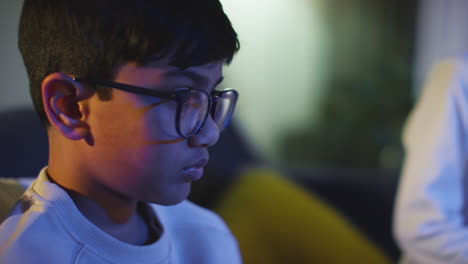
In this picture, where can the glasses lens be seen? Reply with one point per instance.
(192, 112)
(224, 109)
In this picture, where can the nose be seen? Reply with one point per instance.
(207, 136)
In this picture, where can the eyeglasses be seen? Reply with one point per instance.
(193, 105)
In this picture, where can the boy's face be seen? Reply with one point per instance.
(135, 150)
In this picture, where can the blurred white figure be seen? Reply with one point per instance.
(430, 212)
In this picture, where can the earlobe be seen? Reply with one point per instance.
(65, 104)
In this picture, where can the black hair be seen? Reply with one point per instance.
(91, 38)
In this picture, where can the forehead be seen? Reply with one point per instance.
(157, 72)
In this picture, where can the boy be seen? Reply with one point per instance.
(126, 92)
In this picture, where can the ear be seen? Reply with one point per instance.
(65, 104)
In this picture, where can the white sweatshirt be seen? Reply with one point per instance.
(46, 227)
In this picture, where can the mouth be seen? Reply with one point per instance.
(194, 172)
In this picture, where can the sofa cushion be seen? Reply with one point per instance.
(276, 221)
(10, 192)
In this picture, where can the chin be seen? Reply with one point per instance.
(168, 202)
(171, 198)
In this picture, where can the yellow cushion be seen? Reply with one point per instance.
(276, 221)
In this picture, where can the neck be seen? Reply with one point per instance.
(111, 212)
(87, 193)
(121, 223)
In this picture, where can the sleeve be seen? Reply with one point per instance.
(429, 219)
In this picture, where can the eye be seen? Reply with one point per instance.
(194, 102)
(183, 94)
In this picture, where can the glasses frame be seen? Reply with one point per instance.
(177, 96)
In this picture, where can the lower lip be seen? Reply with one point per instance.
(193, 174)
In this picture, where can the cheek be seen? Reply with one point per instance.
(159, 124)
(117, 131)
(153, 171)
(140, 171)
(124, 125)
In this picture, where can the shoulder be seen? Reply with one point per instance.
(32, 228)
(29, 213)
